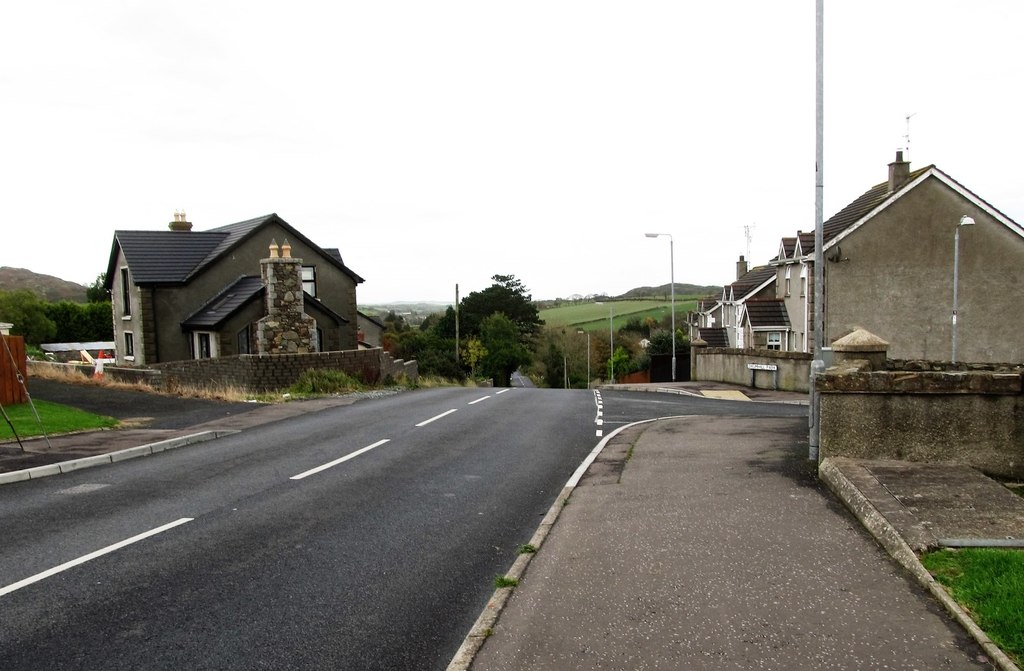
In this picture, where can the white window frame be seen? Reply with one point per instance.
(129, 346)
(774, 341)
(197, 339)
(126, 294)
(308, 277)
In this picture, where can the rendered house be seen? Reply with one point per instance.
(256, 286)
(724, 322)
(889, 262)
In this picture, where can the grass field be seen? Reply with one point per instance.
(594, 317)
(56, 418)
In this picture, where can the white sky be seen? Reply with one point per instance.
(443, 142)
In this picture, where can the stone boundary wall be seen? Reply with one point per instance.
(265, 372)
(255, 372)
(971, 417)
(722, 364)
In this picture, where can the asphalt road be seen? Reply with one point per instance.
(362, 537)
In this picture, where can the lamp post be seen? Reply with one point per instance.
(672, 270)
(964, 221)
(611, 342)
(581, 332)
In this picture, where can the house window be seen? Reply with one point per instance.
(203, 345)
(126, 294)
(129, 346)
(789, 270)
(803, 281)
(243, 341)
(309, 280)
(775, 340)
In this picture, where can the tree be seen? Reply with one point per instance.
(508, 296)
(505, 353)
(97, 292)
(28, 314)
(473, 353)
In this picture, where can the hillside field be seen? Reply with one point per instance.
(594, 317)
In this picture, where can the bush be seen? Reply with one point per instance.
(325, 381)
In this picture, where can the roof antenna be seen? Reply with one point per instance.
(748, 235)
(906, 137)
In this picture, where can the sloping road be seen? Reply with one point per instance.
(272, 549)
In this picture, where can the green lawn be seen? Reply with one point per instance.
(55, 418)
(989, 584)
(594, 317)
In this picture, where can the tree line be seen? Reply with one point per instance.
(500, 331)
(40, 321)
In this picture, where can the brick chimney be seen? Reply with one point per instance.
(286, 328)
(742, 267)
(180, 223)
(899, 172)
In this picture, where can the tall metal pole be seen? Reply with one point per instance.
(818, 364)
(956, 281)
(611, 341)
(672, 270)
(964, 221)
(456, 324)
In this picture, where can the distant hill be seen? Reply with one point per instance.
(665, 289)
(47, 287)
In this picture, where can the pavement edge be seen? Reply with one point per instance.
(831, 472)
(111, 457)
(488, 618)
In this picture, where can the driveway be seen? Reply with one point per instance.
(139, 408)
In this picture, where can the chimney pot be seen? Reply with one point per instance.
(899, 172)
(274, 249)
(286, 250)
(180, 223)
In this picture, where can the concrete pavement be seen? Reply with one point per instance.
(719, 548)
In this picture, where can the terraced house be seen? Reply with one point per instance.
(256, 286)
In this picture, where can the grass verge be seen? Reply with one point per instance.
(56, 418)
(989, 584)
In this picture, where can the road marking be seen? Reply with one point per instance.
(89, 557)
(501, 392)
(478, 400)
(350, 455)
(434, 419)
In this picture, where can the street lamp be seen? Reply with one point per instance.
(964, 221)
(611, 342)
(581, 332)
(672, 269)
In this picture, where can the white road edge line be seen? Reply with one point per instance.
(92, 555)
(501, 392)
(330, 464)
(434, 419)
(483, 398)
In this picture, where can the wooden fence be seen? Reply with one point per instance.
(11, 390)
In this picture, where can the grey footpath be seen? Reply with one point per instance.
(718, 547)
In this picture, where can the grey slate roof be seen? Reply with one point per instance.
(174, 257)
(714, 337)
(224, 304)
(767, 312)
(751, 280)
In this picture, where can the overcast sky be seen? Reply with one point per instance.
(444, 142)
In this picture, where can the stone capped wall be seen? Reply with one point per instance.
(969, 417)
